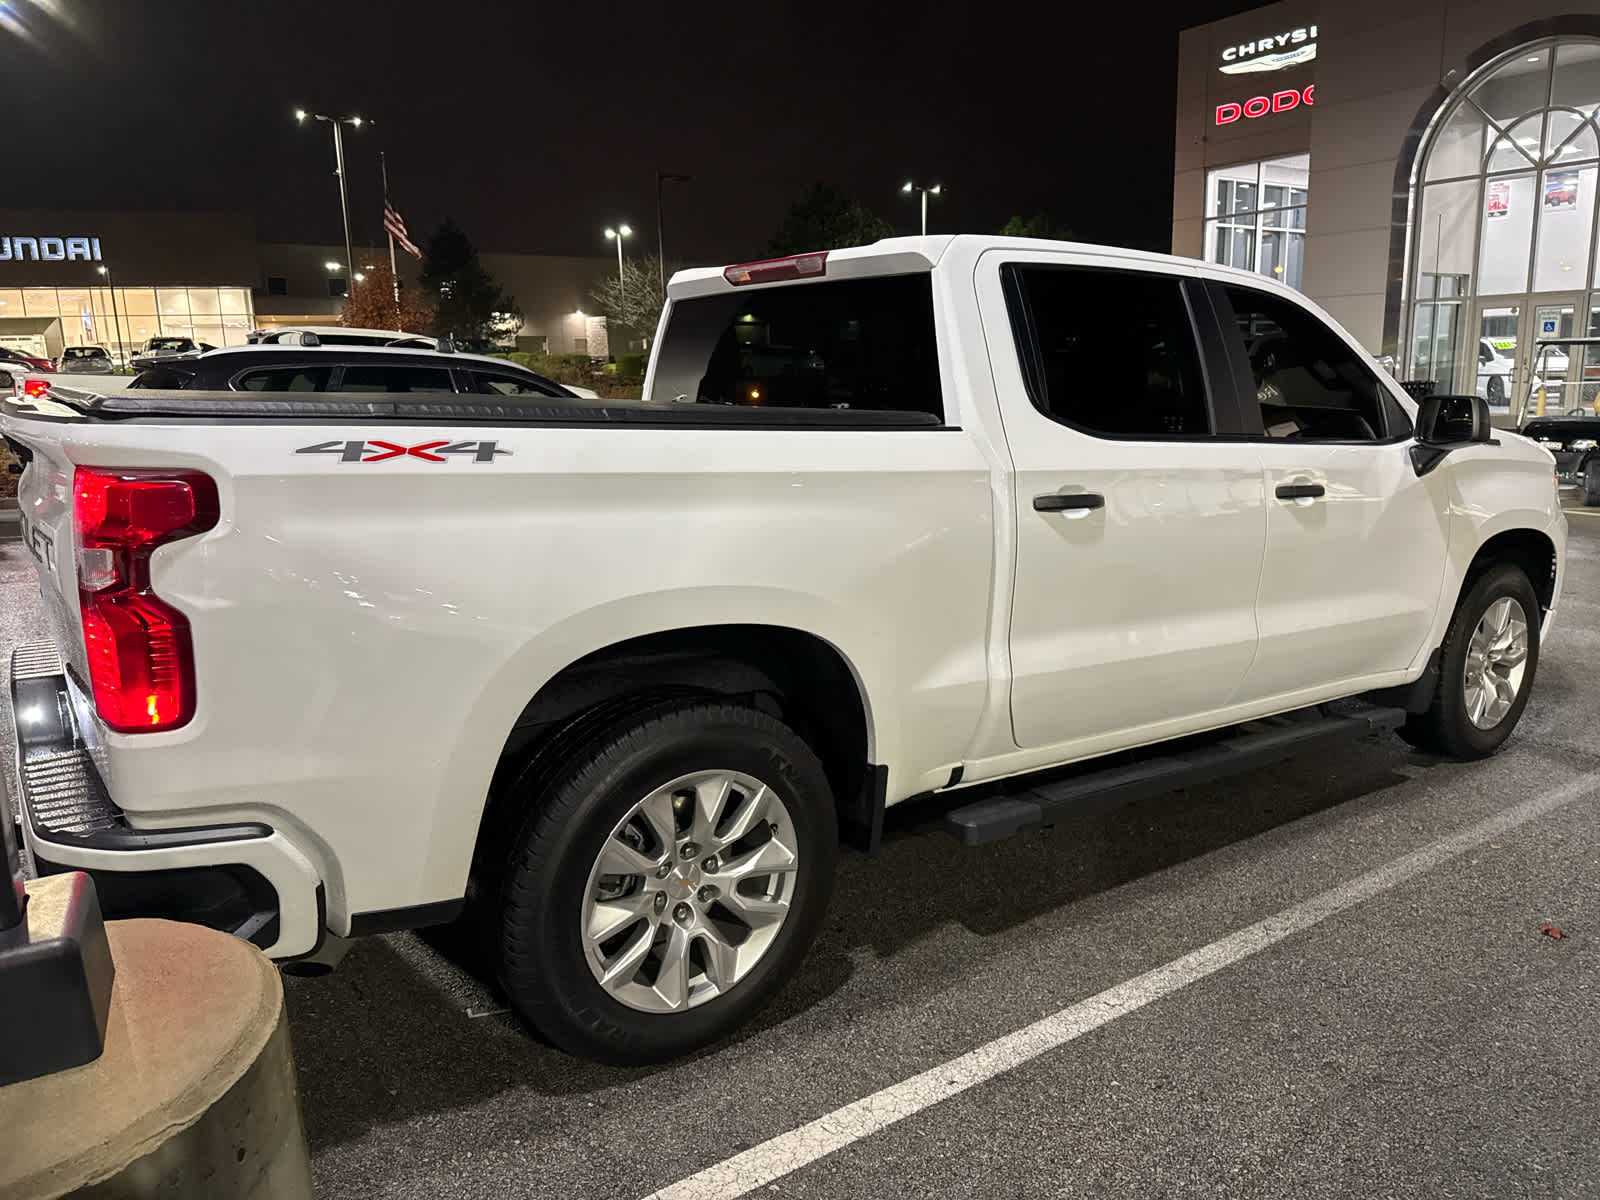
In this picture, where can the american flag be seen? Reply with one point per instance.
(397, 230)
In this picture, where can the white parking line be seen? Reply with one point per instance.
(787, 1152)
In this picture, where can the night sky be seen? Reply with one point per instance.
(536, 125)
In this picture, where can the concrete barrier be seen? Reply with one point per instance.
(194, 1096)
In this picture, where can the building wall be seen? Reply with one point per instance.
(1381, 70)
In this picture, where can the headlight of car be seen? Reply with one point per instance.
(1583, 444)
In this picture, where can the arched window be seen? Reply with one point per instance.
(1503, 243)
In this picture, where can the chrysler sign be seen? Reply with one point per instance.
(1260, 106)
(1271, 53)
(50, 249)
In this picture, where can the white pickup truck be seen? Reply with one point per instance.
(618, 679)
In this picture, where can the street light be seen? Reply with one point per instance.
(300, 115)
(661, 237)
(616, 235)
(111, 291)
(926, 192)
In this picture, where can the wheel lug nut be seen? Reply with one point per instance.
(660, 903)
(682, 912)
(710, 865)
(664, 870)
(708, 894)
(688, 850)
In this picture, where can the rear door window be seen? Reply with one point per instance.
(1110, 352)
(283, 379)
(385, 377)
(847, 344)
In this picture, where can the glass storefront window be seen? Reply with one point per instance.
(139, 302)
(1507, 235)
(203, 302)
(1566, 221)
(1459, 145)
(1516, 222)
(40, 302)
(1577, 77)
(1261, 207)
(234, 301)
(173, 302)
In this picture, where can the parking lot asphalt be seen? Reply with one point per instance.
(1416, 1035)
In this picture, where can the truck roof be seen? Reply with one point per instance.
(904, 255)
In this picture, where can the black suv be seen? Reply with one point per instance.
(345, 369)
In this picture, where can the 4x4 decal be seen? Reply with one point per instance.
(364, 451)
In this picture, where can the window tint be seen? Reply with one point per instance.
(1309, 382)
(385, 378)
(1109, 352)
(849, 344)
(284, 379)
(496, 384)
(277, 285)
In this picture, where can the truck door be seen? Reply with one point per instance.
(1140, 526)
(1356, 541)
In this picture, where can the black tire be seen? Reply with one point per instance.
(1446, 728)
(543, 965)
(1591, 483)
(1496, 390)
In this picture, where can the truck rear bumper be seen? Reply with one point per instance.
(246, 877)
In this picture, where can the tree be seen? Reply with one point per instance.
(826, 218)
(634, 298)
(472, 307)
(372, 305)
(1037, 226)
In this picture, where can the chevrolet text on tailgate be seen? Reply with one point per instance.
(615, 680)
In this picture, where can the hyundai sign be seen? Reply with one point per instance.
(50, 249)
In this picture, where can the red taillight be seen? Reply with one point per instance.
(770, 270)
(141, 660)
(35, 388)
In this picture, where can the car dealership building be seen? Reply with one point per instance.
(1426, 172)
(116, 279)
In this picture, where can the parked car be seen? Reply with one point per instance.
(29, 361)
(340, 335)
(85, 360)
(610, 682)
(1495, 366)
(353, 368)
(1574, 440)
(169, 345)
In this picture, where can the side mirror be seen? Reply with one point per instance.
(1446, 423)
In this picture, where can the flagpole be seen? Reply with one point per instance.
(394, 275)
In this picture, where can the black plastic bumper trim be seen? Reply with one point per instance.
(413, 916)
(49, 748)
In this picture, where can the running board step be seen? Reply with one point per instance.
(1257, 745)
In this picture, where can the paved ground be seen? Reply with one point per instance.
(1426, 1039)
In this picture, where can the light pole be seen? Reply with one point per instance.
(300, 115)
(926, 192)
(111, 293)
(661, 239)
(616, 235)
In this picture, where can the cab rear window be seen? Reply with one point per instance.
(859, 344)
